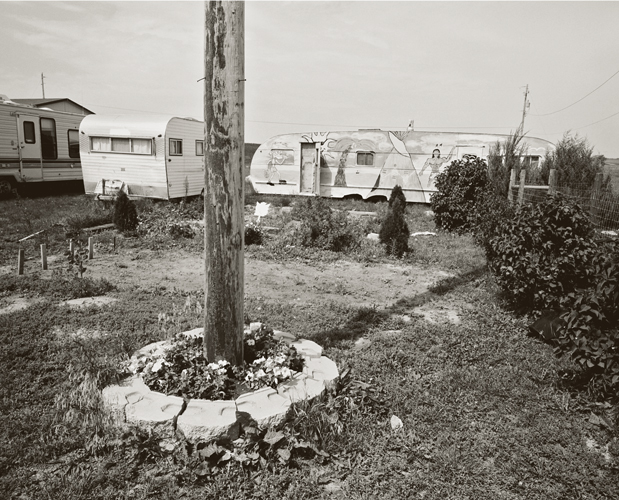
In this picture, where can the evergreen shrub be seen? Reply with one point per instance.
(394, 231)
(125, 213)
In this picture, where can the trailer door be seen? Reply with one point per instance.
(310, 179)
(29, 137)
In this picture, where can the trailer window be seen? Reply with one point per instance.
(49, 149)
(365, 159)
(176, 147)
(121, 145)
(29, 136)
(199, 148)
(142, 146)
(100, 144)
(74, 143)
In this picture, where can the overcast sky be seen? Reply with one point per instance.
(318, 66)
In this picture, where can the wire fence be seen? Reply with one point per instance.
(601, 205)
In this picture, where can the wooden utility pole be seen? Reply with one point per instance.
(224, 117)
(525, 106)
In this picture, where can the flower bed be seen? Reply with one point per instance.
(180, 368)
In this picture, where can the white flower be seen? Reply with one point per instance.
(260, 373)
(213, 366)
(285, 372)
(262, 209)
(251, 342)
(157, 365)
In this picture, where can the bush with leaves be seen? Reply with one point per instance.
(394, 231)
(322, 227)
(125, 213)
(591, 331)
(253, 234)
(459, 188)
(542, 253)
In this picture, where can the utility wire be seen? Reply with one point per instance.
(547, 114)
(585, 126)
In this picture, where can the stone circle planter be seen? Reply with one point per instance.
(132, 401)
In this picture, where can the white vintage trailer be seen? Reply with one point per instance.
(155, 156)
(368, 163)
(37, 145)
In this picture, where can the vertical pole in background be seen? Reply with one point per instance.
(72, 247)
(595, 194)
(552, 182)
(90, 248)
(523, 176)
(21, 256)
(224, 116)
(44, 257)
(512, 183)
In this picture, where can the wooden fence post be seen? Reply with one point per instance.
(72, 247)
(44, 257)
(90, 248)
(512, 183)
(21, 256)
(523, 175)
(552, 182)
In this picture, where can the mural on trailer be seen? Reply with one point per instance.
(366, 163)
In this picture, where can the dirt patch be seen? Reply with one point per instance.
(286, 282)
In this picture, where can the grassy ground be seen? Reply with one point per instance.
(485, 413)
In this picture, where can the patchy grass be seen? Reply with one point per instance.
(485, 413)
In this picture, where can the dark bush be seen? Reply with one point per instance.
(322, 227)
(459, 189)
(394, 231)
(253, 235)
(542, 253)
(125, 213)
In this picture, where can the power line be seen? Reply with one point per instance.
(585, 126)
(547, 114)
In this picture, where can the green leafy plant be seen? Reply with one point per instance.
(125, 213)
(394, 231)
(459, 189)
(542, 253)
(322, 227)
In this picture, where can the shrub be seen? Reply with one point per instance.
(394, 231)
(253, 234)
(502, 158)
(591, 333)
(575, 164)
(125, 213)
(459, 189)
(542, 253)
(321, 227)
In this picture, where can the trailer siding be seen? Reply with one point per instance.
(186, 172)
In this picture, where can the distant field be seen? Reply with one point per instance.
(612, 167)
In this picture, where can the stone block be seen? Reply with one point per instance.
(307, 348)
(208, 420)
(322, 369)
(285, 336)
(153, 408)
(265, 406)
(89, 301)
(301, 388)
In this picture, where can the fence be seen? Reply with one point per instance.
(601, 205)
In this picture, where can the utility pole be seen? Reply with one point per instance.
(525, 107)
(43, 85)
(224, 231)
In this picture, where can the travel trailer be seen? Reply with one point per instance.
(37, 145)
(154, 156)
(367, 164)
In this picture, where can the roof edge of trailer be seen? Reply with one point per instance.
(124, 124)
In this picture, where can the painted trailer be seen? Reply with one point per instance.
(37, 145)
(155, 156)
(368, 163)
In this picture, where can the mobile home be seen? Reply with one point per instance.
(155, 156)
(37, 145)
(368, 163)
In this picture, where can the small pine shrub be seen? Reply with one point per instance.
(322, 227)
(394, 231)
(542, 253)
(459, 188)
(125, 213)
(253, 234)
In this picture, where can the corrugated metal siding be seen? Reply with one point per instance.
(185, 173)
(8, 133)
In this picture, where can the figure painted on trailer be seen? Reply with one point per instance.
(435, 163)
(277, 158)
